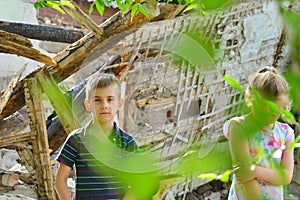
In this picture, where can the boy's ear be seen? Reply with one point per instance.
(87, 105)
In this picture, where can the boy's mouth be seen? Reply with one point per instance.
(104, 113)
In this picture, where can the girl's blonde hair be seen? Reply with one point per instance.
(270, 86)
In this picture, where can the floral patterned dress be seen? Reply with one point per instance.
(268, 142)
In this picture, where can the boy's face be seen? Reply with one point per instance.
(104, 103)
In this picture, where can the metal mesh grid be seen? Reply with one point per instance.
(171, 104)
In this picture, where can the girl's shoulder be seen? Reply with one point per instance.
(238, 119)
(285, 129)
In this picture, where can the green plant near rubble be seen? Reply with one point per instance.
(212, 161)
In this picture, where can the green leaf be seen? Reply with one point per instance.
(233, 83)
(108, 3)
(258, 157)
(144, 10)
(274, 108)
(192, 6)
(296, 143)
(225, 176)
(222, 177)
(66, 3)
(39, 4)
(297, 139)
(293, 79)
(208, 176)
(289, 116)
(91, 9)
(55, 6)
(100, 6)
(128, 4)
(120, 5)
(133, 11)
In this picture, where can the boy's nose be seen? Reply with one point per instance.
(104, 104)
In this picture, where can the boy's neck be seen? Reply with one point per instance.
(107, 128)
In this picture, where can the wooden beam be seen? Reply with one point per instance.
(35, 110)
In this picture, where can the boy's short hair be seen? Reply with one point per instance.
(101, 80)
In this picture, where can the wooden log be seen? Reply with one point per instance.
(71, 59)
(39, 32)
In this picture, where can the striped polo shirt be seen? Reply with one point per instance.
(94, 180)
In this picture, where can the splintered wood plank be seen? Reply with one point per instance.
(15, 139)
(16, 44)
(4, 35)
(35, 110)
(8, 92)
(24, 150)
(12, 124)
(81, 18)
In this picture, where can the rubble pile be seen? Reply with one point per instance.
(15, 182)
(214, 190)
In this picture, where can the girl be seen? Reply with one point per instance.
(259, 144)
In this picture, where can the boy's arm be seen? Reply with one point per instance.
(241, 157)
(61, 181)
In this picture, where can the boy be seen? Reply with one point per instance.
(94, 180)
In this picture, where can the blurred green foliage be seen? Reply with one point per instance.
(218, 160)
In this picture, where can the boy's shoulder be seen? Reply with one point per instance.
(81, 131)
(128, 141)
(125, 135)
(76, 133)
